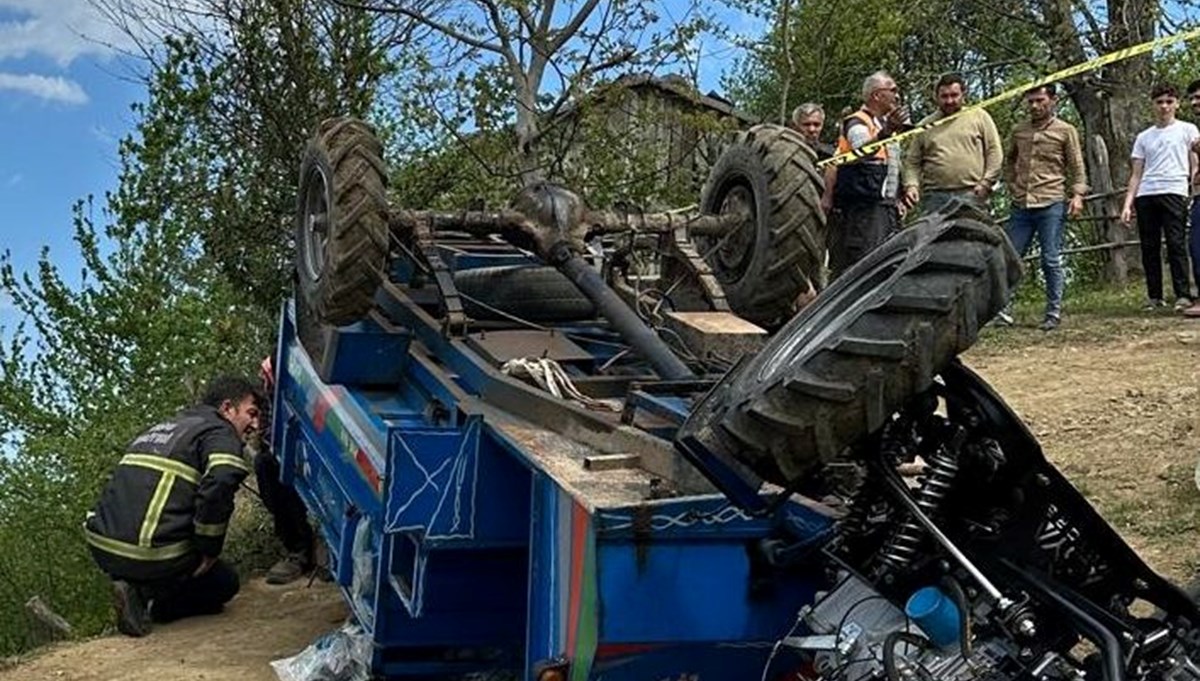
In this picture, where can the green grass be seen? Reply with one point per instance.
(1090, 314)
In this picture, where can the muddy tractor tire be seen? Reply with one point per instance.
(341, 221)
(877, 336)
(770, 175)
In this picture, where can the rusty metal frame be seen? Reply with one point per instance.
(456, 322)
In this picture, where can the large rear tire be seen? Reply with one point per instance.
(876, 337)
(342, 221)
(778, 254)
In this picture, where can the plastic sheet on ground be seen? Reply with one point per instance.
(341, 655)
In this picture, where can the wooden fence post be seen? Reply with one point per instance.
(1116, 271)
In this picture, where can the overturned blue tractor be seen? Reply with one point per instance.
(554, 443)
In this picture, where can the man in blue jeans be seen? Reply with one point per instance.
(1042, 153)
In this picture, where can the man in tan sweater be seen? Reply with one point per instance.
(1043, 153)
(961, 158)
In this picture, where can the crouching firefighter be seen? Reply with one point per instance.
(159, 526)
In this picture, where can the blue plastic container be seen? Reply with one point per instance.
(936, 614)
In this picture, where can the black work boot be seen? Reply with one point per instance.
(133, 612)
(288, 569)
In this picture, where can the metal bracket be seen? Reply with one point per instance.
(456, 322)
(685, 251)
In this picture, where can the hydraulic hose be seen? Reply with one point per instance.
(964, 611)
(889, 651)
(624, 320)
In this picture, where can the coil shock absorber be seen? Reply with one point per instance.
(933, 487)
(897, 444)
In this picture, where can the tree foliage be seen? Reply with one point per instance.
(185, 263)
(483, 95)
(251, 80)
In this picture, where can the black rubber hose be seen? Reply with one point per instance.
(964, 612)
(1110, 647)
(889, 651)
(624, 320)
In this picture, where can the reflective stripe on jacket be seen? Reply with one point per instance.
(862, 179)
(170, 498)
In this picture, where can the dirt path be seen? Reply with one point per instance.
(1115, 404)
(261, 624)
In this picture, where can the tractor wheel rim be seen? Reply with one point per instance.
(315, 229)
(735, 249)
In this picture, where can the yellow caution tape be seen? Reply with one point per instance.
(1111, 57)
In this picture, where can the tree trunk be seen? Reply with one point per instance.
(1112, 102)
(527, 127)
(1115, 268)
(1127, 83)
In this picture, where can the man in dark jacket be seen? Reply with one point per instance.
(861, 196)
(160, 524)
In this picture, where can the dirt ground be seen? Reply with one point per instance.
(261, 624)
(1114, 401)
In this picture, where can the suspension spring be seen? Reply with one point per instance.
(934, 485)
(856, 521)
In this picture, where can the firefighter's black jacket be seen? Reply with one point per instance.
(168, 502)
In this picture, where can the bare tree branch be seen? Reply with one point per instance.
(568, 31)
(502, 32)
(1095, 32)
(423, 18)
(526, 18)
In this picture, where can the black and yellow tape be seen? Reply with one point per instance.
(1110, 58)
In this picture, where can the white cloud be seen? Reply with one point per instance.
(60, 30)
(6, 303)
(53, 88)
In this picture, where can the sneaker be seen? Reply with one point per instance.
(1182, 303)
(1005, 318)
(1193, 311)
(1050, 323)
(288, 569)
(133, 612)
(1154, 304)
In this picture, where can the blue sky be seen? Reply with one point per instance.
(64, 104)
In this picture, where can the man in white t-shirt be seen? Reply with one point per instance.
(1159, 187)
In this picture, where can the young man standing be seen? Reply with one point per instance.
(1042, 153)
(160, 524)
(1159, 187)
(958, 159)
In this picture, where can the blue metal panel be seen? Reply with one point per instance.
(673, 409)
(545, 639)
(654, 559)
(458, 259)
(364, 354)
(677, 591)
(681, 518)
(435, 482)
